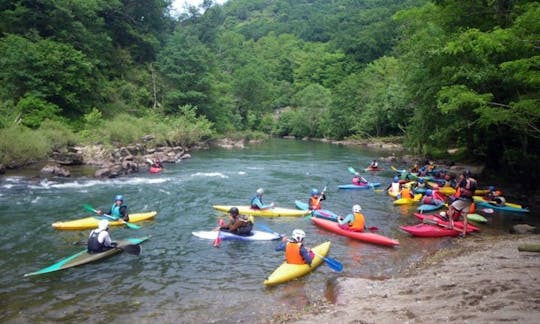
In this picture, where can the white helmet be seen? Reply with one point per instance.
(260, 191)
(356, 208)
(298, 235)
(103, 225)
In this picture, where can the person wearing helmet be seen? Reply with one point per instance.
(99, 239)
(431, 199)
(495, 196)
(315, 199)
(118, 209)
(257, 202)
(373, 165)
(238, 224)
(358, 180)
(354, 222)
(465, 187)
(295, 251)
(157, 164)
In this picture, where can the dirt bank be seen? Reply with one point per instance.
(483, 279)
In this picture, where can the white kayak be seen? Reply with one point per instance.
(255, 236)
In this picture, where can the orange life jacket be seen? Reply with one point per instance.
(406, 193)
(314, 203)
(359, 222)
(292, 253)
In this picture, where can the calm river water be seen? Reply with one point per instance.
(181, 278)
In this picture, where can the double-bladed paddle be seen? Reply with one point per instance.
(130, 225)
(217, 241)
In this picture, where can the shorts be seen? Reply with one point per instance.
(461, 206)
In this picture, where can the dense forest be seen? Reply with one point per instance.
(444, 74)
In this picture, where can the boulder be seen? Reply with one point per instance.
(55, 170)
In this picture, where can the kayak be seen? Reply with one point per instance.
(320, 213)
(84, 257)
(271, 212)
(480, 201)
(286, 272)
(476, 218)
(373, 169)
(407, 201)
(155, 170)
(429, 230)
(434, 218)
(92, 221)
(428, 207)
(369, 185)
(360, 236)
(481, 198)
(255, 236)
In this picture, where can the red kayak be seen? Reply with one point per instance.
(429, 230)
(373, 169)
(437, 220)
(360, 236)
(155, 170)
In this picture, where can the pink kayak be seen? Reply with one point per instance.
(155, 170)
(429, 230)
(360, 236)
(434, 218)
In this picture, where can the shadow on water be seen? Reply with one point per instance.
(181, 278)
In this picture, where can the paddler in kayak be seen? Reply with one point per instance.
(353, 222)
(238, 224)
(373, 165)
(99, 239)
(495, 196)
(315, 199)
(358, 180)
(118, 209)
(430, 198)
(257, 202)
(295, 252)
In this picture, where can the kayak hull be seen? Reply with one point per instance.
(509, 207)
(369, 185)
(320, 213)
(92, 221)
(271, 212)
(433, 218)
(427, 207)
(408, 201)
(287, 272)
(255, 236)
(367, 237)
(476, 218)
(155, 170)
(428, 230)
(84, 257)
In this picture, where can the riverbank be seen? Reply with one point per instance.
(481, 279)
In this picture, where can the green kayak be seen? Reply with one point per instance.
(84, 257)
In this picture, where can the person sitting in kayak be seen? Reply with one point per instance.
(157, 164)
(295, 251)
(430, 198)
(315, 199)
(99, 239)
(118, 209)
(394, 187)
(257, 202)
(358, 180)
(495, 196)
(238, 224)
(373, 165)
(420, 184)
(405, 192)
(353, 222)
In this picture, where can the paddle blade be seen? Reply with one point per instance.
(132, 249)
(333, 264)
(132, 226)
(89, 208)
(217, 241)
(352, 170)
(373, 228)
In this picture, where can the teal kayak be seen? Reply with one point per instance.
(503, 208)
(84, 257)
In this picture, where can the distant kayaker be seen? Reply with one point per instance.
(358, 180)
(99, 239)
(315, 199)
(466, 185)
(157, 164)
(238, 224)
(118, 209)
(295, 252)
(495, 196)
(430, 198)
(373, 164)
(257, 202)
(405, 192)
(353, 222)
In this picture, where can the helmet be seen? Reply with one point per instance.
(103, 225)
(356, 208)
(467, 173)
(118, 197)
(298, 235)
(491, 188)
(396, 178)
(421, 180)
(314, 192)
(260, 191)
(234, 211)
(429, 192)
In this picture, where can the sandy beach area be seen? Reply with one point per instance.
(481, 279)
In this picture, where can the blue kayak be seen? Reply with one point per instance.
(320, 213)
(427, 207)
(369, 185)
(503, 208)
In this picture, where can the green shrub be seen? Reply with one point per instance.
(19, 145)
(58, 135)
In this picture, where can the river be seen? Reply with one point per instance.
(181, 278)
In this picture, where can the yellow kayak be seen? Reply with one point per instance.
(92, 221)
(286, 272)
(271, 212)
(406, 201)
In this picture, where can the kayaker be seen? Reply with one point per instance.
(430, 199)
(373, 164)
(495, 196)
(466, 185)
(394, 187)
(295, 252)
(99, 239)
(118, 209)
(420, 184)
(257, 202)
(238, 224)
(315, 199)
(405, 192)
(353, 222)
(358, 180)
(157, 164)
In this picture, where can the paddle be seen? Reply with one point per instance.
(352, 170)
(134, 249)
(132, 226)
(217, 241)
(320, 196)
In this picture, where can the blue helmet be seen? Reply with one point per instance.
(491, 188)
(429, 192)
(314, 192)
(396, 178)
(118, 197)
(421, 180)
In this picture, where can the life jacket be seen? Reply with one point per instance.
(246, 225)
(93, 245)
(292, 253)
(314, 203)
(115, 211)
(395, 187)
(406, 193)
(253, 204)
(359, 223)
(356, 181)
(429, 200)
(467, 188)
